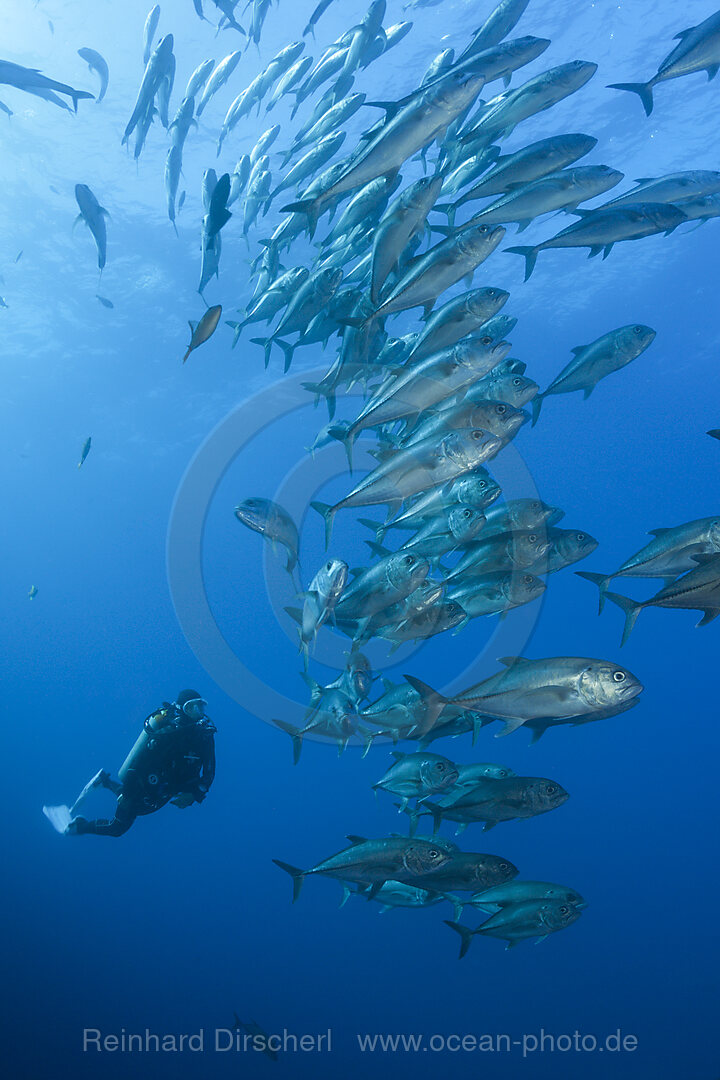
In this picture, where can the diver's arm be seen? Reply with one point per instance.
(208, 768)
(208, 765)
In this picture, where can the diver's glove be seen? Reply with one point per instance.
(195, 793)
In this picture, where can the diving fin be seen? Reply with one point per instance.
(97, 781)
(59, 817)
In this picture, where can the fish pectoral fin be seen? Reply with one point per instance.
(510, 726)
(356, 839)
(509, 661)
(712, 70)
(683, 33)
(708, 615)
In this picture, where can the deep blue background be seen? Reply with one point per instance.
(185, 919)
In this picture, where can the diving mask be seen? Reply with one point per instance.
(195, 709)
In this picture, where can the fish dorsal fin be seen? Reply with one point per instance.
(397, 754)
(391, 107)
(683, 33)
(388, 684)
(657, 532)
(378, 549)
(578, 349)
(357, 570)
(508, 661)
(295, 613)
(705, 557)
(643, 179)
(193, 326)
(356, 839)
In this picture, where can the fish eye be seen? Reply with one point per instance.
(500, 409)
(619, 676)
(329, 566)
(409, 560)
(440, 766)
(580, 537)
(528, 579)
(434, 854)
(467, 513)
(532, 538)
(550, 789)
(517, 381)
(638, 329)
(504, 866)
(477, 434)
(487, 341)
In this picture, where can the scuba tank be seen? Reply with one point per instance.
(153, 725)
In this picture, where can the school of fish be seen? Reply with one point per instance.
(399, 216)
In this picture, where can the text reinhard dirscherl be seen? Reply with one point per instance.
(228, 1040)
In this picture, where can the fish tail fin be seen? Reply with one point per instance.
(296, 875)
(78, 95)
(305, 206)
(267, 343)
(600, 580)
(630, 608)
(414, 816)
(426, 692)
(288, 351)
(536, 404)
(457, 904)
(328, 513)
(377, 528)
(346, 437)
(529, 254)
(643, 90)
(294, 734)
(466, 936)
(378, 549)
(437, 814)
(447, 208)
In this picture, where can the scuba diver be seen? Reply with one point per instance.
(173, 760)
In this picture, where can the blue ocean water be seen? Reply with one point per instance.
(185, 920)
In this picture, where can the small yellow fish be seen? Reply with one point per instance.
(33, 592)
(204, 329)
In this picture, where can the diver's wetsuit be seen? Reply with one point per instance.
(175, 759)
